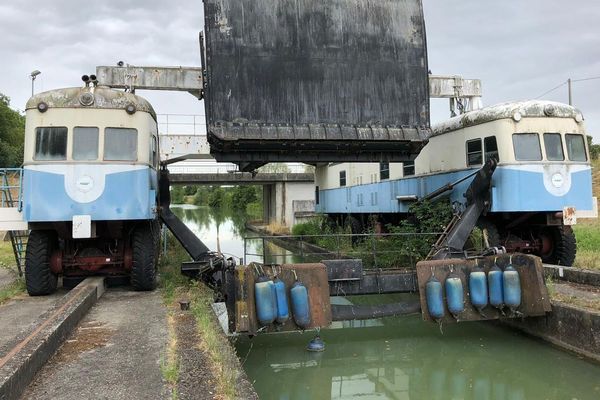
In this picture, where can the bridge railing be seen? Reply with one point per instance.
(181, 124)
(213, 167)
(377, 250)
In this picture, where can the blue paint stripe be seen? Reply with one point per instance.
(127, 195)
(513, 191)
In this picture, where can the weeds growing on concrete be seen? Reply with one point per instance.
(173, 286)
(169, 363)
(11, 290)
(213, 341)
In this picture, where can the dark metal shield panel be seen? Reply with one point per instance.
(305, 63)
(534, 294)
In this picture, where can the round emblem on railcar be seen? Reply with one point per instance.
(85, 183)
(557, 180)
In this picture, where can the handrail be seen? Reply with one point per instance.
(6, 187)
(371, 247)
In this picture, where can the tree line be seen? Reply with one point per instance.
(234, 197)
(12, 133)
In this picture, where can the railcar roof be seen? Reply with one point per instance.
(531, 108)
(104, 98)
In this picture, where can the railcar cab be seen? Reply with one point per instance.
(87, 138)
(90, 186)
(543, 182)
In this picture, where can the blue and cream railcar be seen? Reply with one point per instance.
(90, 186)
(542, 184)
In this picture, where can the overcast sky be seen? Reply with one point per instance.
(519, 49)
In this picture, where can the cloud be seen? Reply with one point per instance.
(519, 49)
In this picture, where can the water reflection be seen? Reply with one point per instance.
(224, 230)
(405, 358)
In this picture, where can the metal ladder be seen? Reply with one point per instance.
(18, 239)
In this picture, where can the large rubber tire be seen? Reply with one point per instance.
(487, 228)
(490, 230)
(39, 278)
(143, 270)
(564, 246)
(156, 233)
(356, 228)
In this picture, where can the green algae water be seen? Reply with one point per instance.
(406, 358)
(395, 358)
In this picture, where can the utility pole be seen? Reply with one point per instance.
(570, 91)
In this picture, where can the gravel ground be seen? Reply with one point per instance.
(196, 379)
(580, 295)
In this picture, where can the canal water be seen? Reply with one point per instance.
(395, 358)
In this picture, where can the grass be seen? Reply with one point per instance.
(212, 341)
(588, 245)
(7, 261)
(11, 290)
(278, 229)
(7, 256)
(169, 364)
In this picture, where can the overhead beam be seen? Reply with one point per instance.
(184, 79)
(453, 86)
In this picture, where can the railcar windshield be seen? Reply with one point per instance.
(50, 143)
(120, 144)
(554, 147)
(576, 147)
(527, 147)
(491, 148)
(85, 143)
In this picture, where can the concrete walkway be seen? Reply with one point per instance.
(115, 352)
(18, 316)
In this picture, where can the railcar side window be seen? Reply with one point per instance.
(153, 155)
(51, 143)
(491, 148)
(527, 147)
(85, 143)
(342, 178)
(384, 170)
(408, 168)
(575, 147)
(553, 146)
(120, 144)
(474, 152)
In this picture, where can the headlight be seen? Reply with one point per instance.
(130, 109)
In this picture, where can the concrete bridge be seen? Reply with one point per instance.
(240, 178)
(288, 197)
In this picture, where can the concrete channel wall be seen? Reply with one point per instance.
(568, 327)
(34, 347)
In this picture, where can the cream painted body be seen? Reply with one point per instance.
(90, 117)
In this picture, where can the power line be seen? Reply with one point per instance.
(586, 79)
(551, 90)
(591, 78)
